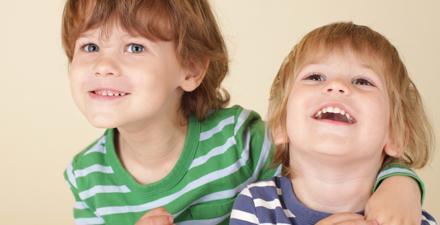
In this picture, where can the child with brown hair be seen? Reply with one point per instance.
(341, 107)
(149, 71)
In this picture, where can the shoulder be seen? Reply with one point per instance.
(259, 203)
(234, 113)
(232, 121)
(92, 153)
(265, 189)
(90, 158)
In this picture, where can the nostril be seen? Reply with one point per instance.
(330, 90)
(341, 91)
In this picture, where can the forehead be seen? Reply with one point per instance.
(149, 19)
(322, 54)
(104, 32)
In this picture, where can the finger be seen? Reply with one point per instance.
(357, 222)
(338, 218)
(157, 212)
(156, 220)
(341, 217)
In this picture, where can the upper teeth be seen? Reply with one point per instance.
(110, 93)
(331, 109)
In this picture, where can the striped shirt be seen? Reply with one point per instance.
(274, 202)
(222, 154)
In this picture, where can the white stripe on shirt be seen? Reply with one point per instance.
(245, 216)
(89, 221)
(70, 176)
(395, 170)
(430, 222)
(103, 189)
(258, 202)
(189, 187)
(81, 205)
(241, 119)
(222, 124)
(93, 169)
(98, 147)
(214, 152)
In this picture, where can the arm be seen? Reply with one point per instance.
(398, 198)
(346, 219)
(252, 137)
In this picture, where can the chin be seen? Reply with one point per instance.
(102, 122)
(334, 149)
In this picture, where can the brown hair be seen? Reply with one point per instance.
(410, 129)
(190, 24)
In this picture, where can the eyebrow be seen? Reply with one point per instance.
(316, 63)
(86, 34)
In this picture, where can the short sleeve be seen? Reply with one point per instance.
(83, 214)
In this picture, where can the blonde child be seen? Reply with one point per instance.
(150, 73)
(341, 105)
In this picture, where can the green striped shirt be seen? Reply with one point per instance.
(222, 154)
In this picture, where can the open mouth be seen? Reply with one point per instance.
(334, 114)
(109, 93)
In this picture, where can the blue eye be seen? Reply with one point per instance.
(363, 82)
(135, 48)
(315, 77)
(90, 47)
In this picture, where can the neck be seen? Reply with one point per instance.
(152, 147)
(330, 185)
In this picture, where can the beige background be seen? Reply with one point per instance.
(42, 130)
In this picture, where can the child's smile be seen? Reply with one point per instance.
(121, 79)
(107, 94)
(338, 105)
(335, 114)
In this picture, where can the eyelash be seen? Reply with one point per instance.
(315, 77)
(358, 81)
(129, 48)
(86, 46)
(362, 81)
(135, 45)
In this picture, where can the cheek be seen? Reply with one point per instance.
(378, 117)
(296, 111)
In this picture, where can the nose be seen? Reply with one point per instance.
(336, 87)
(106, 66)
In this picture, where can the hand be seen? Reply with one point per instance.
(396, 202)
(346, 219)
(158, 216)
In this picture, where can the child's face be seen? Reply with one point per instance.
(338, 106)
(121, 80)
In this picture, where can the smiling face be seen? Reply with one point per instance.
(119, 79)
(338, 106)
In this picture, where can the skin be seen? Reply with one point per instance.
(152, 81)
(124, 81)
(335, 163)
(157, 216)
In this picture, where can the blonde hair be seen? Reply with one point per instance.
(190, 24)
(410, 129)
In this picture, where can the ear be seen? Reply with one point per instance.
(280, 136)
(194, 75)
(392, 149)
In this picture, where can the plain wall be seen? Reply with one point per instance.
(42, 129)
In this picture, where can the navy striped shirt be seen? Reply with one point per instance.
(274, 202)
